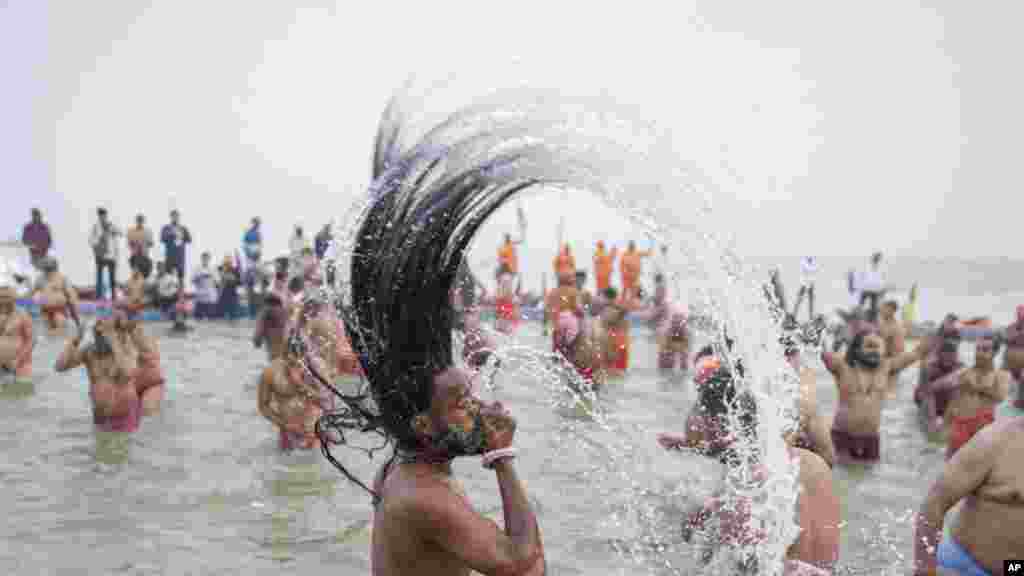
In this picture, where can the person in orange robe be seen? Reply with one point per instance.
(565, 264)
(507, 255)
(603, 263)
(631, 267)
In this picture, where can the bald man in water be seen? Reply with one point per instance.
(123, 366)
(16, 339)
(987, 475)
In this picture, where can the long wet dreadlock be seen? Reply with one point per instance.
(409, 239)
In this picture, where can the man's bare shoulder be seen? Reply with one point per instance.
(415, 494)
(813, 468)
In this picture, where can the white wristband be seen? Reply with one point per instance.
(494, 456)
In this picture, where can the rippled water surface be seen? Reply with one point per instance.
(202, 488)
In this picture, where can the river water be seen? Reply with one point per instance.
(202, 489)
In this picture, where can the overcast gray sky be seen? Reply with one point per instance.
(825, 121)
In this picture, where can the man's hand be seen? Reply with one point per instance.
(499, 426)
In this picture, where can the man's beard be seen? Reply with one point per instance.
(102, 345)
(456, 442)
(871, 360)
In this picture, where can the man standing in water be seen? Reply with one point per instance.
(36, 235)
(16, 339)
(175, 239)
(632, 268)
(894, 333)
(1013, 360)
(937, 379)
(979, 390)
(140, 242)
(505, 305)
(987, 474)
(123, 366)
(862, 377)
(576, 345)
(54, 294)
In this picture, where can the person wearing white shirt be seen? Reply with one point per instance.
(206, 283)
(104, 239)
(298, 242)
(872, 286)
(808, 271)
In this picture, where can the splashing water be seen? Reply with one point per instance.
(527, 140)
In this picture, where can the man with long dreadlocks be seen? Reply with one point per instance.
(862, 377)
(424, 208)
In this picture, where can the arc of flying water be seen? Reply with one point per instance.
(432, 162)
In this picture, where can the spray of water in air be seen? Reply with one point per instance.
(525, 141)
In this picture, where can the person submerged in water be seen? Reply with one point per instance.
(54, 294)
(123, 365)
(937, 379)
(564, 297)
(1013, 360)
(816, 550)
(576, 345)
(614, 331)
(272, 327)
(506, 308)
(290, 398)
(862, 376)
(17, 341)
(987, 475)
(978, 391)
(133, 298)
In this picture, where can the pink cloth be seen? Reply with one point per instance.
(568, 325)
(126, 423)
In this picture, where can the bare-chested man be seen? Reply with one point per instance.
(123, 366)
(1013, 360)
(506, 309)
(816, 550)
(862, 377)
(574, 342)
(16, 339)
(563, 297)
(614, 330)
(53, 293)
(133, 300)
(894, 333)
(987, 475)
(979, 390)
(272, 327)
(937, 379)
(290, 399)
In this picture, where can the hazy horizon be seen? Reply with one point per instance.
(818, 123)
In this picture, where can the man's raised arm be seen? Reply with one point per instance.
(478, 541)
